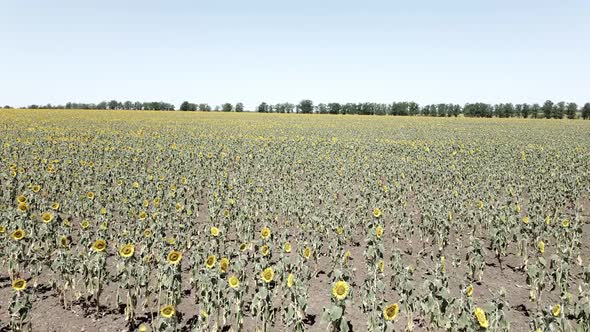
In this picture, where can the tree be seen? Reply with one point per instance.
(113, 105)
(559, 110)
(571, 110)
(535, 110)
(586, 111)
(239, 107)
(184, 106)
(204, 107)
(227, 107)
(525, 111)
(262, 108)
(305, 106)
(547, 109)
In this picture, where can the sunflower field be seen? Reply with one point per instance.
(172, 221)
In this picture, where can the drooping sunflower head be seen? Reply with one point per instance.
(233, 282)
(214, 231)
(147, 233)
(47, 217)
(174, 257)
(99, 245)
(63, 241)
(376, 212)
(390, 311)
(381, 265)
(19, 234)
(55, 206)
(556, 310)
(469, 291)
(19, 285)
(224, 264)
(541, 247)
(85, 224)
(340, 290)
(142, 215)
(307, 252)
(36, 188)
(167, 311)
(90, 195)
(210, 262)
(226, 213)
(339, 230)
(526, 220)
(268, 275)
(264, 250)
(2, 229)
(290, 280)
(243, 247)
(265, 233)
(127, 250)
(21, 199)
(480, 315)
(379, 231)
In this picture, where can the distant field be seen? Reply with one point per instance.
(200, 221)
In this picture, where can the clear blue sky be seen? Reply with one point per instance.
(275, 51)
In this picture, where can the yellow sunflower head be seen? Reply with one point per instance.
(287, 247)
(340, 290)
(2, 229)
(174, 257)
(47, 217)
(265, 233)
(85, 224)
(233, 282)
(469, 291)
(22, 207)
(541, 247)
(264, 250)
(290, 280)
(167, 311)
(224, 264)
(99, 245)
(55, 206)
(480, 315)
(243, 247)
(210, 262)
(379, 231)
(214, 231)
(376, 212)
(36, 188)
(127, 250)
(19, 285)
(142, 215)
(556, 310)
(19, 234)
(390, 311)
(21, 199)
(268, 275)
(90, 195)
(63, 241)
(307, 252)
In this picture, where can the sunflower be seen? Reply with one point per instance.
(142, 215)
(376, 212)
(19, 285)
(55, 206)
(287, 247)
(517, 208)
(265, 233)
(565, 223)
(480, 205)
(381, 265)
(233, 282)
(264, 250)
(379, 231)
(90, 195)
(2, 229)
(226, 213)
(340, 290)
(525, 219)
(290, 280)
(103, 211)
(481, 318)
(339, 230)
(174, 257)
(547, 220)
(22, 207)
(135, 184)
(127, 250)
(146, 203)
(390, 311)
(21, 199)
(541, 247)
(85, 224)
(469, 290)
(224, 264)
(99, 245)
(268, 274)
(307, 252)
(147, 233)
(178, 207)
(47, 217)
(19, 234)
(167, 311)
(104, 225)
(36, 188)
(210, 262)
(556, 310)
(142, 328)
(63, 241)
(214, 231)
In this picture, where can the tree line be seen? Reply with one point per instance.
(548, 110)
